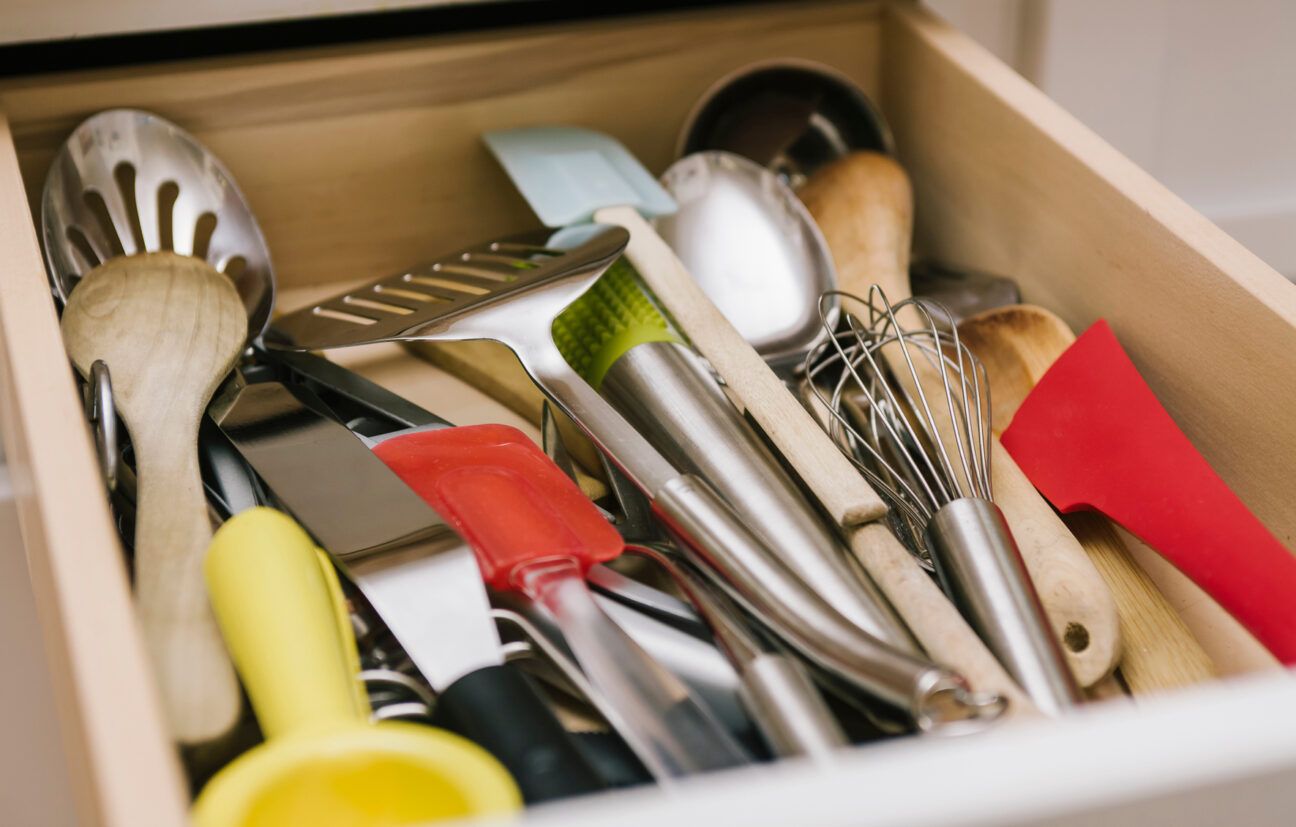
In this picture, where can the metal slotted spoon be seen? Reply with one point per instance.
(128, 182)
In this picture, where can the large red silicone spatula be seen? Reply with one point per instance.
(536, 533)
(1092, 435)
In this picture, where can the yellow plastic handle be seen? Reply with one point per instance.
(280, 611)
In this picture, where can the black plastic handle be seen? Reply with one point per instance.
(501, 710)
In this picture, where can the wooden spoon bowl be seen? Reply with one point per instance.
(170, 328)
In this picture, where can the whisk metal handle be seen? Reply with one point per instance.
(983, 572)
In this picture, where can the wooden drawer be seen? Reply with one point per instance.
(360, 159)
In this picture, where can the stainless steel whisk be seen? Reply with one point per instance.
(909, 404)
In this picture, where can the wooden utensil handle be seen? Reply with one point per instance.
(863, 204)
(1160, 653)
(172, 533)
(1075, 597)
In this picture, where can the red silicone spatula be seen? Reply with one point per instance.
(536, 533)
(1092, 435)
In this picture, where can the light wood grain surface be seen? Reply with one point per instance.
(122, 766)
(361, 159)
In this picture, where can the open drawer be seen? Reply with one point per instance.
(361, 159)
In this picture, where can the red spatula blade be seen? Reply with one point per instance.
(504, 496)
(1093, 435)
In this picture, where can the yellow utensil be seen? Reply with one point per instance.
(280, 608)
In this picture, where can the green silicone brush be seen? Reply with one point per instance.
(614, 316)
(618, 341)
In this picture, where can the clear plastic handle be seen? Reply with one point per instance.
(670, 731)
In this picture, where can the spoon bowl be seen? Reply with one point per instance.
(754, 249)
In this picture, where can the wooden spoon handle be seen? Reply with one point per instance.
(1160, 651)
(863, 204)
(1017, 345)
(170, 328)
(172, 532)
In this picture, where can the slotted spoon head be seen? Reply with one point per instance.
(530, 277)
(128, 182)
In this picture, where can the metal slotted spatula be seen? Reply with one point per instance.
(511, 291)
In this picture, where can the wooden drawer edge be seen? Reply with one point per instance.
(123, 768)
(1008, 181)
(1056, 124)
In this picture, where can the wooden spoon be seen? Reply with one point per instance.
(1017, 345)
(170, 328)
(863, 204)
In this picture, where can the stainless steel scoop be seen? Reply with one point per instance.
(128, 182)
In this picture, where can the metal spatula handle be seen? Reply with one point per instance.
(669, 729)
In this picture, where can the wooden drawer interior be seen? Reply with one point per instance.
(361, 159)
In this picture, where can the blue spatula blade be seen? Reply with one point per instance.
(566, 173)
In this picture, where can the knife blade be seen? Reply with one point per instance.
(420, 577)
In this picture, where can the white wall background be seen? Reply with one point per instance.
(1201, 93)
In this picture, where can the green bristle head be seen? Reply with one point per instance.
(613, 316)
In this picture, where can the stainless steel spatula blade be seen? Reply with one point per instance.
(450, 298)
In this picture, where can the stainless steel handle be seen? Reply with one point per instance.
(670, 397)
(982, 571)
(775, 688)
(724, 547)
(781, 697)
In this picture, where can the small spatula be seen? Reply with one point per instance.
(1092, 435)
(534, 532)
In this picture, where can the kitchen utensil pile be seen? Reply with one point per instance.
(805, 532)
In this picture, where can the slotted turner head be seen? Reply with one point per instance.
(530, 277)
(128, 182)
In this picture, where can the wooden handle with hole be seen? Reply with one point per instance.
(863, 204)
(1017, 345)
(826, 473)
(170, 329)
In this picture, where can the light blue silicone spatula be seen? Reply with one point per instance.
(567, 174)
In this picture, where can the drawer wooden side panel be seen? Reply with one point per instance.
(359, 160)
(1008, 182)
(123, 766)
